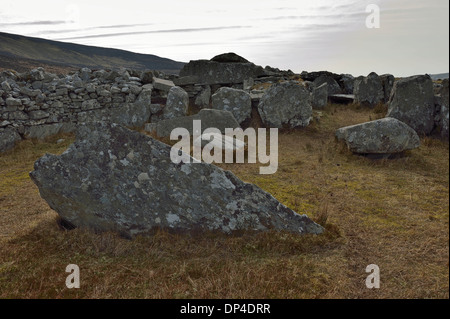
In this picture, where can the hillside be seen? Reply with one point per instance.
(16, 48)
(439, 76)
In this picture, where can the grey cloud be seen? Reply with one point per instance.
(107, 35)
(319, 17)
(123, 26)
(14, 24)
(92, 28)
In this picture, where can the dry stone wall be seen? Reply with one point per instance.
(37, 104)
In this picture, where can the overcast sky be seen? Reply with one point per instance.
(288, 34)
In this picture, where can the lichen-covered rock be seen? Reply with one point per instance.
(177, 103)
(286, 104)
(412, 102)
(368, 90)
(8, 138)
(384, 136)
(320, 96)
(238, 102)
(114, 179)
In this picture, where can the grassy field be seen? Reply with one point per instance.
(393, 213)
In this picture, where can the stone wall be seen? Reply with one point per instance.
(36, 104)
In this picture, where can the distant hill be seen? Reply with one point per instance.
(439, 76)
(17, 48)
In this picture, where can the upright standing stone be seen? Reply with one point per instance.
(412, 102)
(177, 103)
(286, 104)
(238, 102)
(369, 90)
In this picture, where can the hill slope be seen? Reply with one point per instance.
(76, 55)
(439, 76)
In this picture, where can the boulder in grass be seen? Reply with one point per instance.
(369, 90)
(384, 136)
(412, 102)
(115, 179)
(286, 104)
(238, 102)
(8, 138)
(177, 103)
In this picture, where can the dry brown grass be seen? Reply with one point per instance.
(393, 213)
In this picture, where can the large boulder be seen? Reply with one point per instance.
(368, 90)
(412, 102)
(238, 102)
(384, 136)
(114, 179)
(286, 104)
(212, 72)
(177, 103)
(210, 118)
(8, 138)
